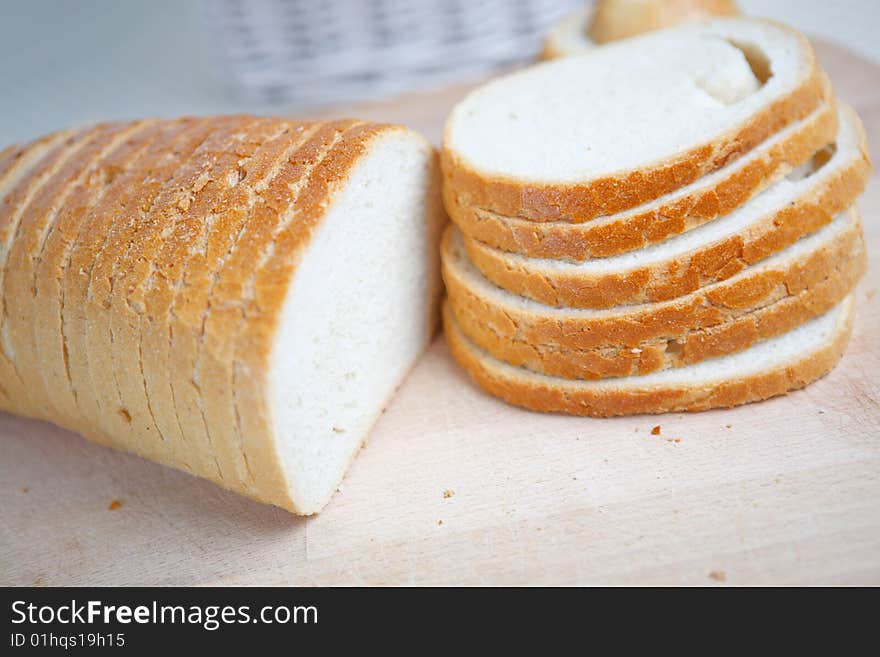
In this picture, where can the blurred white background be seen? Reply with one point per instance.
(70, 62)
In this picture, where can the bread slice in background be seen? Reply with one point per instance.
(774, 367)
(153, 265)
(605, 21)
(582, 137)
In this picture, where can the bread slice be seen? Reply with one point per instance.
(611, 20)
(182, 308)
(774, 367)
(151, 228)
(581, 137)
(22, 180)
(15, 164)
(89, 292)
(384, 172)
(688, 347)
(37, 222)
(716, 194)
(50, 296)
(139, 253)
(785, 274)
(807, 199)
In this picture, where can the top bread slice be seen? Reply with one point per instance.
(612, 20)
(587, 136)
(804, 201)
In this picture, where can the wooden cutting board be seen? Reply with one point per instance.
(457, 487)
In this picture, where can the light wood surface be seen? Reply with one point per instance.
(782, 492)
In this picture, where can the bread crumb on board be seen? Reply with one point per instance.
(115, 504)
(448, 493)
(718, 575)
(655, 431)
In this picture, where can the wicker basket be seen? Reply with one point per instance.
(311, 52)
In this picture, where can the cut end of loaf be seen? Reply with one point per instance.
(361, 309)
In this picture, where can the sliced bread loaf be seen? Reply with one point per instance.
(787, 273)
(773, 367)
(122, 242)
(581, 137)
(713, 195)
(807, 199)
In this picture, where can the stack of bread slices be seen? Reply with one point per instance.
(666, 223)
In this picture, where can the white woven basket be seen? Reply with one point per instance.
(312, 52)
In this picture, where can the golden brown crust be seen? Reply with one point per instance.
(8, 157)
(122, 193)
(147, 272)
(224, 321)
(682, 275)
(191, 303)
(143, 247)
(25, 181)
(117, 296)
(267, 287)
(51, 267)
(23, 260)
(632, 325)
(689, 347)
(643, 226)
(563, 396)
(579, 202)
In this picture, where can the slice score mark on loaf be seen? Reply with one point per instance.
(55, 277)
(128, 255)
(18, 164)
(125, 193)
(768, 369)
(25, 258)
(51, 264)
(15, 204)
(141, 294)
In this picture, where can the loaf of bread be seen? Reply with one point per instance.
(237, 297)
